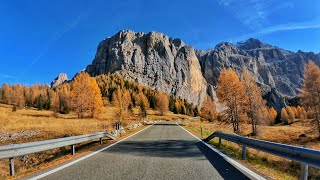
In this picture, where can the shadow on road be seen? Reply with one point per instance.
(225, 169)
(165, 124)
(163, 148)
(178, 149)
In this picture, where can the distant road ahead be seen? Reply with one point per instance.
(163, 151)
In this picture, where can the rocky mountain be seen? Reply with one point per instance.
(152, 59)
(156, 60)
(272, 67)
(59, 80)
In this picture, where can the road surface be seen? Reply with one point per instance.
(163, 151)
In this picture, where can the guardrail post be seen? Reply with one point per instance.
(219, 143)
(244, 152)
(304, 172)
(11, 166)
(304, 169)
(100, 141)
(73, 150)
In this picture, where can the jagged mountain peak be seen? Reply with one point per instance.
(153, 36)
(224, 45)
(59, 80)
(252, 43)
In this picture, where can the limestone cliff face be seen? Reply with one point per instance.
(154, 60)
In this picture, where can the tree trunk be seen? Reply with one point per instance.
(255, 128)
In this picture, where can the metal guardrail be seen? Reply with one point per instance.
(16, 150)
(303, 155)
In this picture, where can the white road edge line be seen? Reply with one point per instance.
(84, 157)
(228, 159)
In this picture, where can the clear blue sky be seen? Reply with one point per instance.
(39, 39)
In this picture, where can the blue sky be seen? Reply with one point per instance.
(39, 39)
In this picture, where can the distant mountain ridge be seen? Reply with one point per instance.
(156, 60)
(271, 66)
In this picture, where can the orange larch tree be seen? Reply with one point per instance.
(86, 96)
(311, 93)
(256, 109)
(162, 102)
(231, 92)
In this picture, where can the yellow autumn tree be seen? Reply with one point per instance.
(61, 99)
(208, 109)
(284, 116)
(85, 96)
(291, 114)
(231, 92)
(96, 103)
(295, 111)
(273, 113)
(162, 102)
(5, 91)
(121, 99)
(311, 93)
(142, 100)
(303, 114)
(18, 96)
(256, 109)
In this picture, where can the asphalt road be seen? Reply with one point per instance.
(163, 151)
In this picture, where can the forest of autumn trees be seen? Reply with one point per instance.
(126, 95)
(290, 113)
(38, 96)
(87, 96)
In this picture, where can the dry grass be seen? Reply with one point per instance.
(272, 167)
(52, 126)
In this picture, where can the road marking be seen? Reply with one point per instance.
(228, 159)
(84, 157)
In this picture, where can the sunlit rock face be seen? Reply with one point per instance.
(59, 80)
(152, 59)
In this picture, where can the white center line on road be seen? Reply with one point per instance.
(228, 159)
(84, 157)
